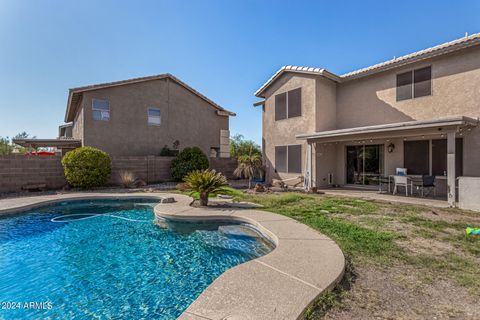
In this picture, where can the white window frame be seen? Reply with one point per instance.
(149, 116)
(100, 110)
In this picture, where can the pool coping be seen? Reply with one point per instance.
(279, 285)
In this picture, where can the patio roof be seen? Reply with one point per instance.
(400, 129)
(58, 143)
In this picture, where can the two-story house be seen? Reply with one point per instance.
(419, 112)
(138, 117)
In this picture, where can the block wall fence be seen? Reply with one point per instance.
(17, 171)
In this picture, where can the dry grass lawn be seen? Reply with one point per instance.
(406, 262)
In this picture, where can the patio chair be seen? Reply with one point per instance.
(401, 181)
(428, 182)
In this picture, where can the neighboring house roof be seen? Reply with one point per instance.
(445, 48)
(75, 94)
(403, 127)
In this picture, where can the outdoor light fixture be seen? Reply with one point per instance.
(390, 147)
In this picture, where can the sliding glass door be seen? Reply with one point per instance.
(364, 164)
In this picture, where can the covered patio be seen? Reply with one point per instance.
(366, 157)
(64, 144)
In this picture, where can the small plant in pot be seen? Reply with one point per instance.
(204, 182)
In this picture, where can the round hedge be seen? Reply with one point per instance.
(188, 160)
(87, 167)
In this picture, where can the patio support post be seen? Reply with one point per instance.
(309, 165)
(451, 187)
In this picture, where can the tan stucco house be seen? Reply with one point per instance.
(138, 117)
(419, 112)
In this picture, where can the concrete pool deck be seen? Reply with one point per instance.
(279, 285)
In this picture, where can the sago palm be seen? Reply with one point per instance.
(249, 167)
(205, 182)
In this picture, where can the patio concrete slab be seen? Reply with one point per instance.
(292, 229)
(191, 316)
(260, 216)
(375, 195)
(310, 261)
(244, 292)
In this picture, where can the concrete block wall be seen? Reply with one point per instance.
(224, 165)
(17, 171)
(224, 144)
(150, 169)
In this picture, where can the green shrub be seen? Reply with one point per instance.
(87, 167)
(167, 152)
(188, 160)
(205, 182)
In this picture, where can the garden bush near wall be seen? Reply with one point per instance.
(87, 167)
(188, 160)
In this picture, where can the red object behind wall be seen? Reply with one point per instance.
(40, 153)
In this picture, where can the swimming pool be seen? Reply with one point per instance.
(106, 259)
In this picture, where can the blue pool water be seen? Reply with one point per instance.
(116, 264)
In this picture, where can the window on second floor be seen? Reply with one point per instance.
(288, 104)
(414, 84)
(154, 117)
(101, 109)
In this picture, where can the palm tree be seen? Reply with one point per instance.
(205, 182)
(249, 166)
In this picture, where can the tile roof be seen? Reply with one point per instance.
(296, 69)
(440, 49)
(445, 48)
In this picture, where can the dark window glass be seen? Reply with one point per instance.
(439, 157)
(295, 159)
(295, 103)
(459, 157)
(422, 78)
(281, 106)
(415, 156)
(281, 158)
(404, 86)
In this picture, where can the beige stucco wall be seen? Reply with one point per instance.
(184, 117)
(372, 101)
(326, 105)
(455, 92)
(468, 193)
(283, 132)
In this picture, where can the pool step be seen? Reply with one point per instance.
(239, 231)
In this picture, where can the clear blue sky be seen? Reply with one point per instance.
(225, 49)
